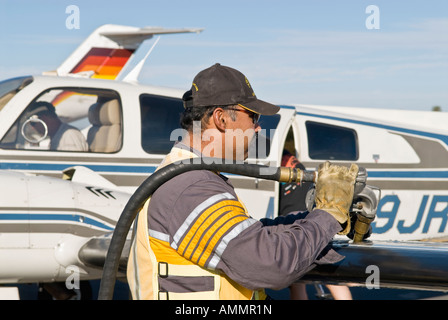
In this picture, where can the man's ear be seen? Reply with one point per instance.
(219, 119)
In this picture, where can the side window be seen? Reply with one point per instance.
(69, 119)
(160, 116)
(329, 142)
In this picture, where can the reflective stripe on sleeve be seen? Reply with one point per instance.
(193, 215)
(225, 241)
(159, 235)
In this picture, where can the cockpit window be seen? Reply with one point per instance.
(69, 119)
(9, 88)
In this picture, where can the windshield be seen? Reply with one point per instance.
(9, 88)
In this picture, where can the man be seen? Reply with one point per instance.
(63, 137)
(195, 239)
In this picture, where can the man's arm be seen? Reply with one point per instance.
(276, 256)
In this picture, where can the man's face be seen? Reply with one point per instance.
(52, 123)
(239, 133)
(39, 126)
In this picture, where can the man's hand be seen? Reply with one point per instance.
(334, 191)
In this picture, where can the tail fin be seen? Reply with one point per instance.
(106, 52)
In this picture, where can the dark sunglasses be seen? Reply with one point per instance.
(254, 116)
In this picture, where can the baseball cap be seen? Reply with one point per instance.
(221, 86)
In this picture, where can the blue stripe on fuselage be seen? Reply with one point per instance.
(53, 217)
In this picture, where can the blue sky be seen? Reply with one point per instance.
(292, 51)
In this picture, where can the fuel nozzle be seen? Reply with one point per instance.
(361, 227)
(365, 198)
(365, 204)
(288, 174)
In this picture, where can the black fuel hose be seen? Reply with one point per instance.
(153, 182)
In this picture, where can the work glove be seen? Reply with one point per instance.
(334, 191)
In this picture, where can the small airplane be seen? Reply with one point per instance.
(61, 206)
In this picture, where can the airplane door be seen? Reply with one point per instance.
(291, 196)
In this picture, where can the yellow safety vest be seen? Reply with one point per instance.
(152, 257)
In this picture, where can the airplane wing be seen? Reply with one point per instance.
(106, 52)
(416, 265)
(411, 265)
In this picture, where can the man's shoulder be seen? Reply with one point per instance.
(191, 179)
(65, 127)
(192, 191)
